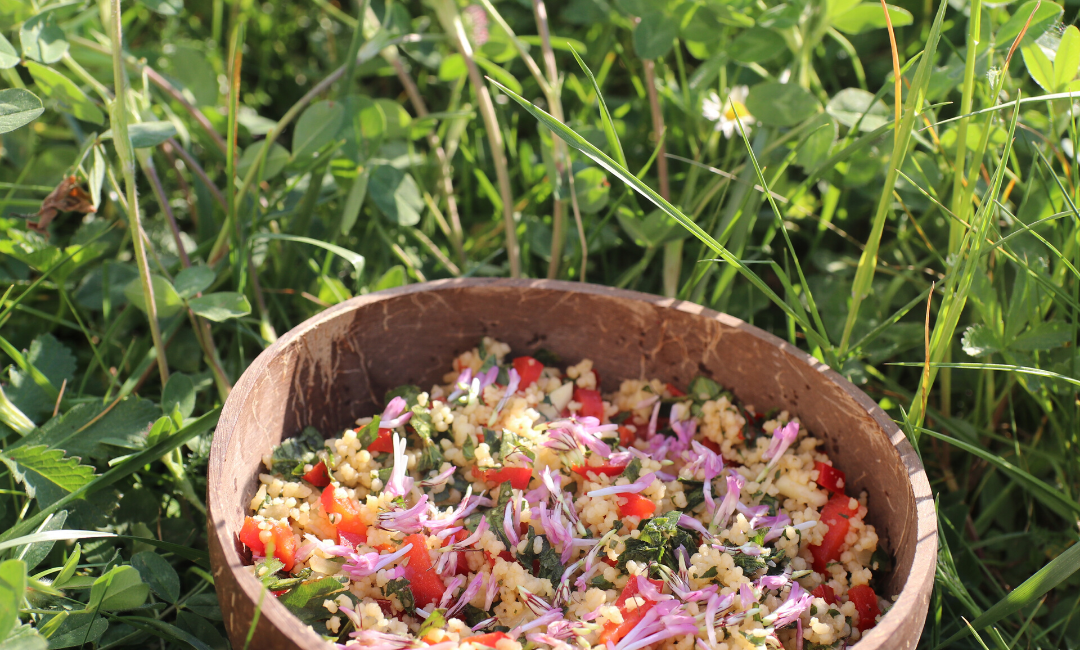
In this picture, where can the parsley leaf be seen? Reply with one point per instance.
(694, 491)
(403, 591)
(659, 542)
(633, 470)
(549, 565)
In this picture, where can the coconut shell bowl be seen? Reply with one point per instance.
(337, 366)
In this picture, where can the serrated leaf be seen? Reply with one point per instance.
(125, 425)
(68, 97)
(119, 589)
(1044, 336)
(42, 39)
(317, 126)
(193, 280)
(166, 300)
(46, 473)
(158, 574)
(221, 306)
(18, 107)
(979, 341)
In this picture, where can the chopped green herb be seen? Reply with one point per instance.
(305, 601)
(293, 453)
(436, 620)
(711, 573)
(549, 563)
(403, 591)
(659, 541)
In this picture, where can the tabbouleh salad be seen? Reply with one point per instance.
(516, 507)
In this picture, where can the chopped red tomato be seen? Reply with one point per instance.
(487, 640)
(528, 369)
(836, 514)
(635, 506)
(675, 392)
(826, 593)
(427, 587)
(592, 404)
(615, 631)
(318, 476)
(606, 469)
(711, 444)
(506, 555)
(829, 477)
(277, 594)
(347, 510)
(866, 604)
(462, 563)
(517, 477)
(282, 541)
(384, 442)
(626, 436)
(353, 539)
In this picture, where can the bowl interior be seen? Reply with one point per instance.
(338, 365)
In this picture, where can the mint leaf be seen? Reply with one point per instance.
(306, 600)
(403, 591)
(293, 453)
(547, 562)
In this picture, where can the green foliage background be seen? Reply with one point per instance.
(926, 246)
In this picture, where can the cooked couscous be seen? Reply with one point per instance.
(516, 505)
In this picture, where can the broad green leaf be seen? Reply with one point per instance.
(9, 57)
(317, 126)
(756, 45)
(655, 35)
(815, 147)
(396, 194)
(74, 629)
(80, 434)
(149, 134)
(96, 177)
(221, 306)
(276, 159)
(70, 566)
(18, 107)
(394, 277)
(12, 592)
(179, 392)
(25, 637)
(68, 97)
(1038, 66)
(119, 589)
(32, 250)
(306, 600)
(35, 394)
(1047, 15)
(42, 39)
(452, 68)
(46, 474)
(1044, 336)
(979, 341)
(166, 630)
(166, 300)
(397, 119)
(866, 16)
(354, 201)
(853, 106)
(165, 7)
(193, 280)
(158, 574)
(654, 230)
(591, 188)
(777, 104)
(33, 553)
(1067, 59)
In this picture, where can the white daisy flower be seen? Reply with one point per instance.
(725, 117)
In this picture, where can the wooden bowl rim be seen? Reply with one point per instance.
(907, 612)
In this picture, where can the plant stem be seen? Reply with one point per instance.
(451, 23)
(118, 116)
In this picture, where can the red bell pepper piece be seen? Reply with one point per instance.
(318, 476)
(592, 404)
(487, 640)
(281, 539)
(606, 469)
(517, 477)
(713, 445)
(826, 593)
(427, 587)
(866, 604)
(353, 539)
(528, 369)
(626, 436)
(675, 392)
(384, 442)
(348, 511)
(616, 631)
(836, 514)
(830, 478)
(635, 506)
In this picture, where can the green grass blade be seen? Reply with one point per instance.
(864, 274)
(584, 146)
(605, 116)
